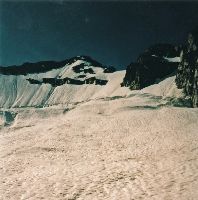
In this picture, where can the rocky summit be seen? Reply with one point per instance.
(155, 63)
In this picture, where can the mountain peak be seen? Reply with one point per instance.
(45, 66)
(34, 84)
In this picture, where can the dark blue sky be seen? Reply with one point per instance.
(113, 33)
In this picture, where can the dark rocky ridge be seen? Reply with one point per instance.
(187, 73)
(150, 66)
(44, 66)
(58, 82)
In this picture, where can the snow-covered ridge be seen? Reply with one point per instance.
(78, 80)
(44, 66)
(78, 73)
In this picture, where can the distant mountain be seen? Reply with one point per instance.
(50, 83)
(44, 66)
(81, 78)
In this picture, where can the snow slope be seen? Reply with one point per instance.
(95, 142)
(17, 91)
(117, 145)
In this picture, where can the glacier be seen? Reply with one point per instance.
(95, 141)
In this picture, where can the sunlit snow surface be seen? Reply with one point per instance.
(98, 142)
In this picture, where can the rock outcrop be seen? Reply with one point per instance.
(58, 82)
(155, 63)
(187, 73)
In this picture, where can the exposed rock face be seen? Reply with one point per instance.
(155, 63)
(187, 73)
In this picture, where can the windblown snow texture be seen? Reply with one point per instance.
(112, 143)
